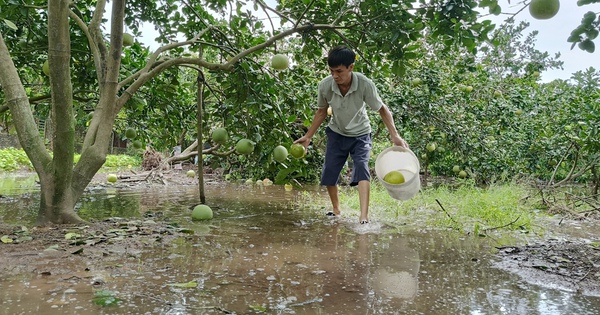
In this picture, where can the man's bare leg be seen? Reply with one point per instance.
(364, 189)
(335, 200)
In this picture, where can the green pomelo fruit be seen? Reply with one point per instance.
(456, 169)
(543, 9)
(130, 133)
(191, 173)
(202, 212)
(137, 144)
(462, 174)
(431, 146)
(394, 178)
(280, 62)
(46, 68)
(127, 39)
(280, 153)
(297, 150)
(416, 81)
(111, 178)
(244, 146)
(220, 135)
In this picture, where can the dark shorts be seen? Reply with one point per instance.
(338, 149)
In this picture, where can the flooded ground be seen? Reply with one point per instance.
(265, 251)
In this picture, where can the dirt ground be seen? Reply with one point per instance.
(62, 250)
(567, 264)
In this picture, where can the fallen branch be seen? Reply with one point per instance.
(446, 212)
(503, 226)
(192, 151)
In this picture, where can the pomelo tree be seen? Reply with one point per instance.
(85, 64)
(544, 130)
(584, 35)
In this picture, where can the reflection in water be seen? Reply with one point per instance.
(266, 252)
(397, 273)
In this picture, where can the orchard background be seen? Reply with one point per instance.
(455, 82)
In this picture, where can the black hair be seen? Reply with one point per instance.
(341, 55)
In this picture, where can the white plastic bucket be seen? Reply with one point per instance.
(403, 160)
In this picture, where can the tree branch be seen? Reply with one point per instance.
(502, 226)
(161, 49)
(448, 214)
(192, 151)
(152, 59)
(281, 35)
(266, 7)
(303, 13)
(93, 48)
(142, 77)
(97, 40)
(558, 165)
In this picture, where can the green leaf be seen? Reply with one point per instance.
(282, 175)
(52, 248)
(71, 235)
(10, 24)
(6, 239)
(105, 298)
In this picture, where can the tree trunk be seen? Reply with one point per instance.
(62, 184)
(56, 204)
(199, 114)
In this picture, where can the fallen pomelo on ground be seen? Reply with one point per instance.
(288, 187)
(111, 178)
(202, 212)
(394, 178)
(191, 173)
(297, 150)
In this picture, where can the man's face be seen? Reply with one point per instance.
(342, 75)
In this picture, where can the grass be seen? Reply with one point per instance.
(12, 159)
(466, 208)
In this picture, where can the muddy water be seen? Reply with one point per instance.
(267, 251)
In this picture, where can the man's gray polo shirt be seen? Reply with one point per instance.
(349, 112)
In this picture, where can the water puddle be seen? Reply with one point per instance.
(267, 252)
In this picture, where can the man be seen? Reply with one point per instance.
(349, 131)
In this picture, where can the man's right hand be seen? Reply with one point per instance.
(304, 141)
